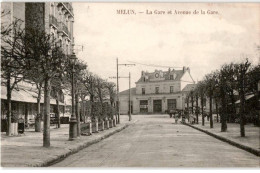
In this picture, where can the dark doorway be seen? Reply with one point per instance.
(157, 106)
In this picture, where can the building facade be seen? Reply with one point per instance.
(55, 18)
(157, 92)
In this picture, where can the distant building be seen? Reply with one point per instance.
(158, 91)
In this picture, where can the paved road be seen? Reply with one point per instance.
(154, 141)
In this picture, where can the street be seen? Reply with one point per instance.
(155, 141)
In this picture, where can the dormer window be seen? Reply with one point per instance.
(171, 77)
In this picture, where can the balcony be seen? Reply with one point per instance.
(64, 29)
(53, 21)
(67, 6)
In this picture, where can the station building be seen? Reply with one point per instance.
(158, 91)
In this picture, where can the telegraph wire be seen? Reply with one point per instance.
(153, 65)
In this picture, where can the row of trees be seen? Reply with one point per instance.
(232, 82)
(29, 53)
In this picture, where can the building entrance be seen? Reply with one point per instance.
(143, 106)
(157, 106)
(171, 104)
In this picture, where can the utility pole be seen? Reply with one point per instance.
(117, 89)
(130, 117)
(118, 102)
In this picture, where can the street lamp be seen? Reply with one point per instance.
(73, 120)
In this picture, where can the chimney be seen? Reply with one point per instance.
(184, 69)
(142, 73)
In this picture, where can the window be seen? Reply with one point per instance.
(143, 91)
(171, 77)
(157, 90)
(171, 89)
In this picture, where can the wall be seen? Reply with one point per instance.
(186, 79)
(164, 87)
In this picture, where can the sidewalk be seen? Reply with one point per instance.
(250, 142)
(26, 150)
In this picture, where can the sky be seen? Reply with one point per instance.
(200, 41)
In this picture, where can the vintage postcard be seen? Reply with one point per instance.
(128, 84)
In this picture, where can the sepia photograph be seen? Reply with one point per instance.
(124, 85)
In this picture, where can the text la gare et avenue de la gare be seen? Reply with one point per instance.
(166, 12)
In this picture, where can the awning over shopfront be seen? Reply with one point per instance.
(247, 98)
(24, 95)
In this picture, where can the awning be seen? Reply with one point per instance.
(247, 98)
(24, 95)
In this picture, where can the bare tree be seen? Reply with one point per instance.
(241, 70)
(12, 65)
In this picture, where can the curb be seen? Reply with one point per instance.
(58, 158)
(241, 146)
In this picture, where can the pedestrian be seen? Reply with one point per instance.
(176, 119)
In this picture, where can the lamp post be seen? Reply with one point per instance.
(73, 120)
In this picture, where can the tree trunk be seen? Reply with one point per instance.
(188, 111)
(202, 111)
(9, 104)
(77, 114)
(26, 115)
(46, 126)
(197, 109)
(233, 107)
(217, 110)
(210, 111)
(223, 111)
(58, 108)
(83, 110)
(242, 118)
(192, 104)
(38, 116)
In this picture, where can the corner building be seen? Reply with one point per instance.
(158, 91)
(55, 18)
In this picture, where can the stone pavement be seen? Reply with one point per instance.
(26, 150)
(156, 141)
(251, 140)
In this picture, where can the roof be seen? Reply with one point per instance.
(164, 75)
(126, 92)
(25, 95)
(189, 87)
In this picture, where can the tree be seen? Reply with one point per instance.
(227, 70)
(210, 86)
(201, 93)
(196, 93)
(253, 81)
(37, 79)
(89, 80)
(12, 66)
(111, 86)
(79, 70)
(44, 53)
(241, 70)
(222, 88)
